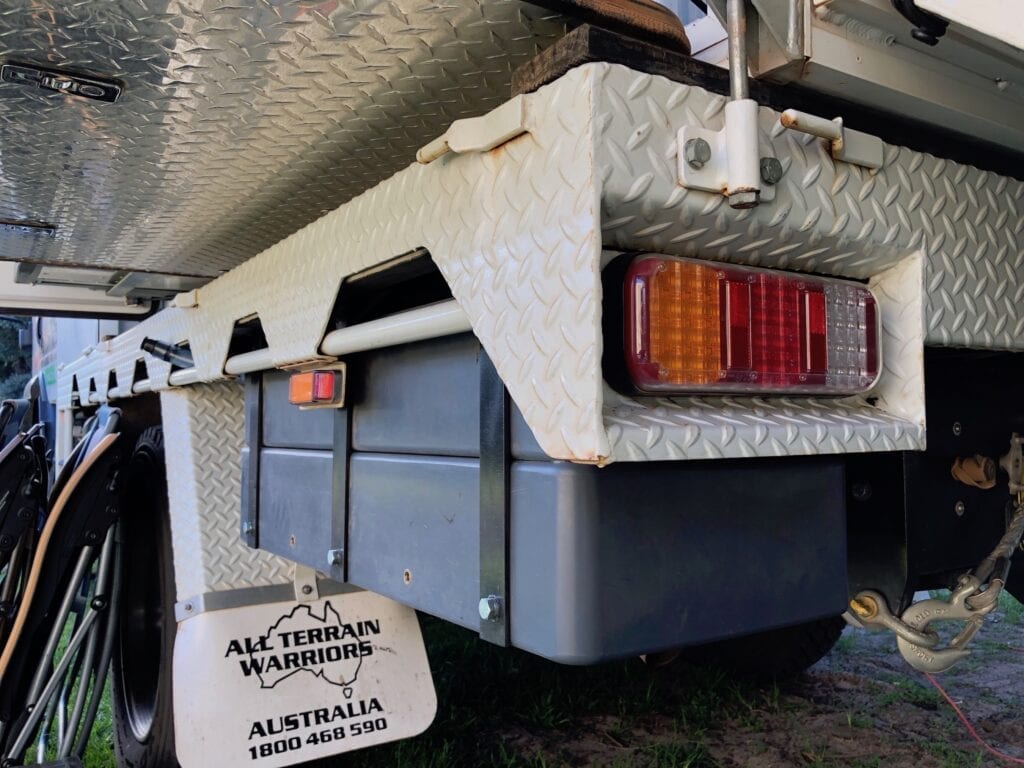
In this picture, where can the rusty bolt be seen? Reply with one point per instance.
(771, 170)
(697, 152)
(864, 607)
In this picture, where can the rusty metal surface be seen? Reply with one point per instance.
(239, 122)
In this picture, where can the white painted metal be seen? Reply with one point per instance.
(518, 234)
(741, 146)
(228, 714)
(203, 441)
(480, 134)
(996, 19)
(428, 322)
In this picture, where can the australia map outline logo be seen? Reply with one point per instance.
(303, 640)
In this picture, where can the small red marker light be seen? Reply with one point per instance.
(315, 388)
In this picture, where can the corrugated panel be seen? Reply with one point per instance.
(239, 122)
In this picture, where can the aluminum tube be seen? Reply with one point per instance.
(736, 29)
(433, 321)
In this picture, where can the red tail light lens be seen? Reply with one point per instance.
(692, 326)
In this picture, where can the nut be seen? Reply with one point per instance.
(697, 152)
(771, 170)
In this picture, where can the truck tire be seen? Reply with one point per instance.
(777, 654)
(141, 675)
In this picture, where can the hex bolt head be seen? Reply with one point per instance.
(248, 528)
(959, 508)
(697, 153)
(335, 556)
(490, 608)
(771, 170)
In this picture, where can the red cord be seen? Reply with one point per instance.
(970, 728)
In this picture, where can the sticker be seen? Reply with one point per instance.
(282, 683)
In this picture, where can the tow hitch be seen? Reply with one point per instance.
(976, 595)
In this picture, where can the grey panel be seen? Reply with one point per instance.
(239, 123)
(417, 514)
(421, 398)
(296, 516)
(425, 398)
(287, 426)
(637, 558)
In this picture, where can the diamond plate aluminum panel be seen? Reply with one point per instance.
(828, 217)
(203, 441)
(239, 122)
(515, 231)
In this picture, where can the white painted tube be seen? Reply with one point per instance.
(430, 322)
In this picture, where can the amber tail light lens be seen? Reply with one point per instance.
(693, 326)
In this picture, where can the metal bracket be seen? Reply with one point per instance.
(722, 161)
(306, 590)
(847, 145)
(495, 458)
(479, 134)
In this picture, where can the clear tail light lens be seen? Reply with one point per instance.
(692, 326)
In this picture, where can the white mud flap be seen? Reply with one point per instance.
(281, 683)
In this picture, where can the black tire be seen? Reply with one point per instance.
(778, 654)
(141, 684)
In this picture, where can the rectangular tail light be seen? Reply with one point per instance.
(693, 326)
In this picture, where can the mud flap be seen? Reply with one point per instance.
(285, 682)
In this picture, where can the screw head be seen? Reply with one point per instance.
(189, 607)
(306, 589)
(248, 528)
(959, 508)
(771, 170)
(697, 153)
(6, 541)
(861, 491)
(957, 428)
(490, 608)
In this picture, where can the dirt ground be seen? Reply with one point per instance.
(860, 706)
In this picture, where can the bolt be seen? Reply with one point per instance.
(92, 537)
(6, 541)
(334, 556)
(864, 606)
(306, 589)
(742, 200)
(771, 170)
(957, 428)
(490, 608)
(25, 514)
(959, 508)
(112, 511)
(189, 608)
(861, 491)
(407, 576)
(99, 603)
(697, 153)
(248, 528)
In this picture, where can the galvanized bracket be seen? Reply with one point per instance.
(495, 461)
(304, 578)
(248, 530)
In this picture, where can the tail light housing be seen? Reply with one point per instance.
(693, 326)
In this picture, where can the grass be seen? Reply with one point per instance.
(509, 709)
